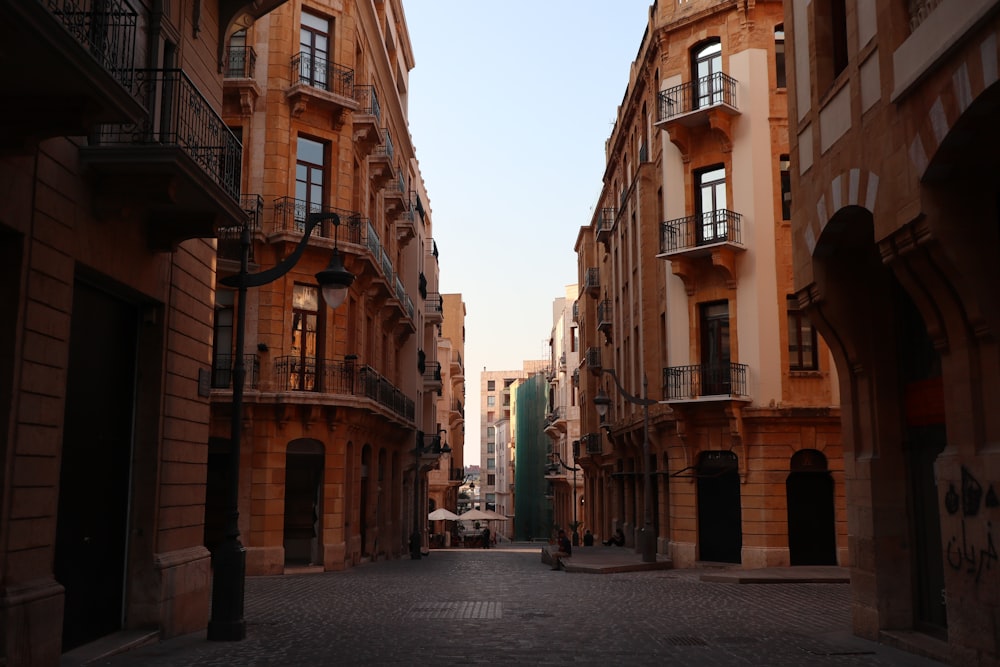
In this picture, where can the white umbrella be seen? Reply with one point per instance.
(441, 514)
(475, 515)
(494, 516)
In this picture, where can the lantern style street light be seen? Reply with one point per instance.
(229, 558)
(647, 540)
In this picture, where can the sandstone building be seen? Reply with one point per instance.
(687, 310)
(340, 421)
(894, 143)
(117, 169)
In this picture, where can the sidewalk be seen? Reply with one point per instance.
(608, 560)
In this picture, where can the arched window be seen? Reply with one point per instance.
(706, 63)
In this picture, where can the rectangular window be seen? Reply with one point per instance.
(310, 171)
(491, 447)
(314, 50)
(574, 339)
(302, 360)
(802, 348)
(491, 480)
(779, 55)
(786, 187)
(491, 401)
(491, 385)
(491, 464)
(222, 349)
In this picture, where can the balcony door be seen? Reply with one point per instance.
(715, 358)
(707, 68)
(305, 311)
(712, 205)
(314, 50)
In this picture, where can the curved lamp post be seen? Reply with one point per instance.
(229, 558)
(576, 524)
(602, 401)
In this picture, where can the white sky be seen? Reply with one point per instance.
(510, 106)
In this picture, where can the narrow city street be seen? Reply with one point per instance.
(504, 606)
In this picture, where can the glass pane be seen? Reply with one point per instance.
(305, 297)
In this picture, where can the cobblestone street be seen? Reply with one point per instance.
(504, 606)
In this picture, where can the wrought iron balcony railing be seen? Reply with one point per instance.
(230, 237)
(592, 281)
(432, 373)
(106, 28)
(367, 98)
(321, 74)
(708, 91)
(343, 377)
(385, 149)
(703, 380)
(605, 223)
(222, 371)
(604, 313)
(181, 117)
(290, 216)
(592, 358)
(721, 226)
(241, 62)
(592, 443)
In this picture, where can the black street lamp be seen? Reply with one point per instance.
(576, 524)
(602, 401)
(229, 558)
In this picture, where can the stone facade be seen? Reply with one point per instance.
(340, 423)
(112, 194)
(894, 142)
(685, 274)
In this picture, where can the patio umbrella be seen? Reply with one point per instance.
(441, 514)
(494, 516)
(475, 515)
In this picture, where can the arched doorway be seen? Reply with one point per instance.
(720, 531)
(304, 463)
(366, 462)
(812, 532)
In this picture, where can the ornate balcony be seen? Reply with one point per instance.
(240, 87)
(230, 242)
(395, 195)
(709, 102)
(704, 382)
(592, 443)
(367, 118)
(72, 68)
(179, 168)
(714, 235)
(222, 371)
(434, 308)
(592, 282)
(592, 360)
(432, 375)
(340, 377)
(380, 163)
(604, 320)
(605, 223)
(320, 84)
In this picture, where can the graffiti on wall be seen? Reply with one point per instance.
(975, 551)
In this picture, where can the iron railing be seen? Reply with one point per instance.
(592, 358)
(322, 74)
(605, 221)
(367, 97)
(180, 116)
(290, 216)
(241, 62)
(340, 376)
(604, 313)
(432, 372)
(230, 237)
(706, 92)
(434, 303)
(700, 380)
(385, 149)
(106, 28)
(223, 368)
(592, 443)
(703, 229)
(592, 279)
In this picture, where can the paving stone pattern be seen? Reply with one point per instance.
(505, 607)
